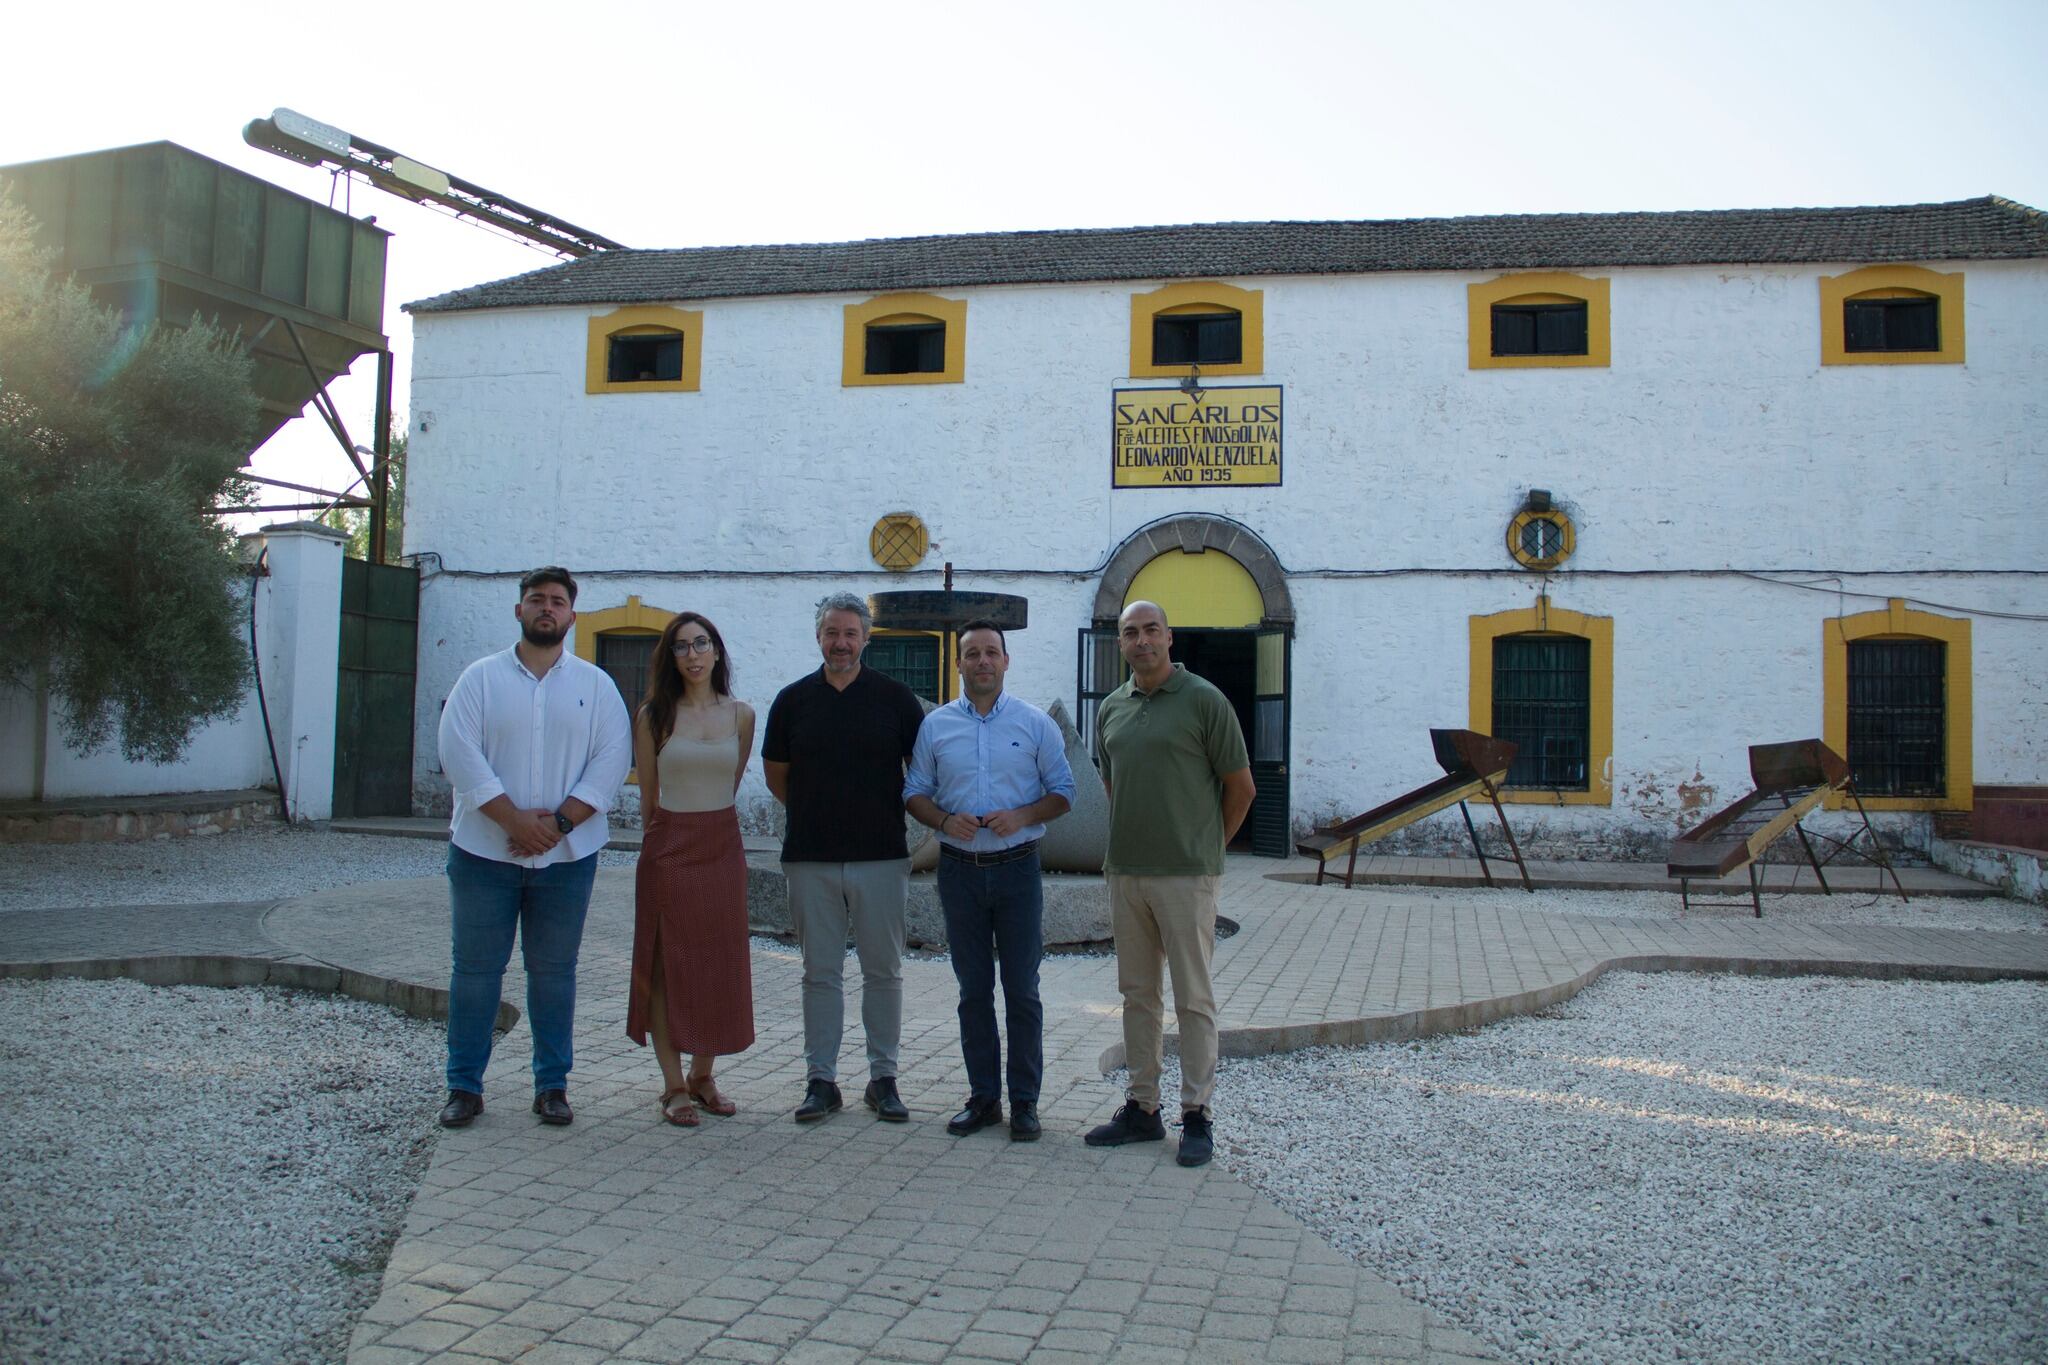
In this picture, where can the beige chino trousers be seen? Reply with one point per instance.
(1170, 921)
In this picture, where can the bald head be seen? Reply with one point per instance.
(1146, 642)
(1141, 608)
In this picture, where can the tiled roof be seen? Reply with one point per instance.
(1989, 228)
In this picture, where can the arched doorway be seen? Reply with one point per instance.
(1226, 600)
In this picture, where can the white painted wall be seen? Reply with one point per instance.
(298, 609)
(1715, 445)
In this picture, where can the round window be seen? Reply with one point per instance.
(898, 541)
(1540, 540)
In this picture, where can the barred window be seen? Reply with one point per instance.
(1542, 701)
(625, 657)
(1898, 717)
(912, 660)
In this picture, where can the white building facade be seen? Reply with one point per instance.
(1636, 490)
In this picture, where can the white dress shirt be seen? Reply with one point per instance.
(538, 741)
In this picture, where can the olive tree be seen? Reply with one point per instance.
(118, 443)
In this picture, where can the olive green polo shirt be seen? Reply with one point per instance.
(1164, 755)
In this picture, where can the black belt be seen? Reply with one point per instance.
(996, 859)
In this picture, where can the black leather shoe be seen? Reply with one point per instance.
(980, 1113)
(1132, 1123)
(1023, 1121)
(463, 1106)
(553, 1108)
(820, 1098)
(881, 1097)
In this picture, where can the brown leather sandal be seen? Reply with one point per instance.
(677, 1109)
(705, 1092)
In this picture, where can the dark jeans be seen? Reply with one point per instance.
(489, 901)
(1000, 907)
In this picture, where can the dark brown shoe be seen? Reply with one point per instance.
(462, 1108)
(553, 1108)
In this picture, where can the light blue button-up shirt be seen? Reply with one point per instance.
(1006, 760)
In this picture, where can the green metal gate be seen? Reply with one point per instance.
(380, 609)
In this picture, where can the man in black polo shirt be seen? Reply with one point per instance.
(834, 754)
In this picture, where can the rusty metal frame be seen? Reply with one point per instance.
(1473, 764)
(1798, 775)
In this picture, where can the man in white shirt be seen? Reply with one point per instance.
(535, 743)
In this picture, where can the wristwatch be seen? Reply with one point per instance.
(563, 822)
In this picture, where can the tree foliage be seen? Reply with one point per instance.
(117, 443)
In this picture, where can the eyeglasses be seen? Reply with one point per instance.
(701, 645)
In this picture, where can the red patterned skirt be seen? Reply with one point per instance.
(690, 891)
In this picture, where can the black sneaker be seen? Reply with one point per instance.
(881, 1097)
(1196, 1145)
(820, 1098)
(1132, 1123)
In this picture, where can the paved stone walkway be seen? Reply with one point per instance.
(752, 1239)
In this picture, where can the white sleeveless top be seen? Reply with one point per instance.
(696, 774)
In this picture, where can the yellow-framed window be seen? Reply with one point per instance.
(919, 659)
(620, 640)
(1207, 324)
(1544, 677)
(904, 339)
(644, 349)
(1538, 320)
(1891, 315)
(1896, 704)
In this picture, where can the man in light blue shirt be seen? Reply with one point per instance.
(987, 773)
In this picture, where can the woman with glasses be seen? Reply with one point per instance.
(692, 977)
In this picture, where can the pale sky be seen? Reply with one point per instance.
(693, 125)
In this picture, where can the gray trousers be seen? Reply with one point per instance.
(824, 900)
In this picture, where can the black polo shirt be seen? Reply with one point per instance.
(845, 751)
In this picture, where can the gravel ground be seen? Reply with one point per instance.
(266, 862)
(1683, 1167)
(201, 1174)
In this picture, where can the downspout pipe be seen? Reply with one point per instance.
(257, 573)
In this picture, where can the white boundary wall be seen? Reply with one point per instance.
(298, 631)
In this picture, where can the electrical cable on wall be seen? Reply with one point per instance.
(257, 572)
(1517, 574)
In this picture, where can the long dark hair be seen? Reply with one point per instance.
(665, 677)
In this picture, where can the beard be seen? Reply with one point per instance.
(542, 637)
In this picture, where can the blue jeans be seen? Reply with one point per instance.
(1000, 907)
(490, 900)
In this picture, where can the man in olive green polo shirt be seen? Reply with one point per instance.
(1173, 762)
